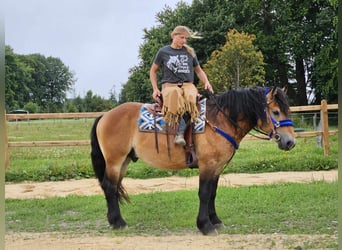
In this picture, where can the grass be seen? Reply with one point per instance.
(285, 208)
(61, 163)
(50, 130)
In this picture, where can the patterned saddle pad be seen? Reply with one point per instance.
(146, 121)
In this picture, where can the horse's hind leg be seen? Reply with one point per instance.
(114, 193)
(112, 197)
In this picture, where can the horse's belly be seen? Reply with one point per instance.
(160, 156)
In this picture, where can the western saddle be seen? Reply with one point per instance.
(191, 159)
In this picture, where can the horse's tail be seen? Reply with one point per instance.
(99, 164)
(97, 159)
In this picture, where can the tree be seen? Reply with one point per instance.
(94, 103)
(236, 64)
(325, 76)
(59, 80)
(325, 67)
(18, 79)
(37, 79)
(52, 81)
(113, 96)
(290, 34)
(31, 107)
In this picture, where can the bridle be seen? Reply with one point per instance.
(276, 124)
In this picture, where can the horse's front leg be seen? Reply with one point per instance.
(207, 217)
(212, 210)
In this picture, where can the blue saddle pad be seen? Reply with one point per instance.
(147, 122)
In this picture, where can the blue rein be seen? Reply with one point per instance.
(228, 137)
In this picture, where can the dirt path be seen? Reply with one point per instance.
(29, 190)
(26, 241)
(59, 241)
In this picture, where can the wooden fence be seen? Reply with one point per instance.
(324, 132)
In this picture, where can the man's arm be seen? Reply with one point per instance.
(203, 77)
(154, 81)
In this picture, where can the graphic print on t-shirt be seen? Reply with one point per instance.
(178, 64)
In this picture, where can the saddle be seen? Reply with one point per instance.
(191, 159)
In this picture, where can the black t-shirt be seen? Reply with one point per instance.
(177, 64)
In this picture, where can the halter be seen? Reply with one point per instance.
(276, 124)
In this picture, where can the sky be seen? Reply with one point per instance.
(97, 39)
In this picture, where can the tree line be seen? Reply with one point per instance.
(245, 43)
(297, 40)
(40, 84)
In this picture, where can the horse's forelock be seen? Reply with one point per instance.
(281, 100)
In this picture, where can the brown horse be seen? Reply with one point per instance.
(116, 140)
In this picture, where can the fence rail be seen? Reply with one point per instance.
(323, 108)
(11, 117)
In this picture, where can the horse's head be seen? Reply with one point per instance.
(278, 112)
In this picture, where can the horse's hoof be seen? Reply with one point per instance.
(212, 232)
(120, 227)
(219, 226)
(209, 231)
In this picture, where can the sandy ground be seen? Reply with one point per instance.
(55, 241)
(135, 186)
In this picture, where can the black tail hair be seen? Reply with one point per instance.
(99, 164)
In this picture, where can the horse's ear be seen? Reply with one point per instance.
(274, 91)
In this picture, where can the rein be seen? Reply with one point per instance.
(224, 134)
(218, 130)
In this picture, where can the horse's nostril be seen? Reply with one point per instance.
(290, 145)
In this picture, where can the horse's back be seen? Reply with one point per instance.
(120, 117)
(117, 127)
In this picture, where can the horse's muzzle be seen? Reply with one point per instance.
(285, 142)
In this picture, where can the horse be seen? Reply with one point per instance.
(116, 140)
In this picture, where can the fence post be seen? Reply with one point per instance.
(319, 137)
(325, 127)
(6, 144)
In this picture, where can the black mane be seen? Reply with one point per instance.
(249, 102)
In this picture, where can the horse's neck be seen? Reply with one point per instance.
(242, 129)
(237, 130)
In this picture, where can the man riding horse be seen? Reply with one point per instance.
(178, 63)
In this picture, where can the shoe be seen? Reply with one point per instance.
(179, 140)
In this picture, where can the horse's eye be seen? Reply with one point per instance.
(276, 112)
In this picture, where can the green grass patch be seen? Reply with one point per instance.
(61, 163)
(264, 156)
(50, 130)
(284, 208)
